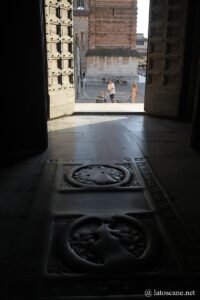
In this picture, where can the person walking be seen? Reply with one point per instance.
(111, 90)
(133, 93)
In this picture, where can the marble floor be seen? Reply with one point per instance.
(26, 188)
(165, 144)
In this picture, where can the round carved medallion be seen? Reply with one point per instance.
(93, 243)
(101, 176)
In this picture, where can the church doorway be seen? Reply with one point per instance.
(80, 47)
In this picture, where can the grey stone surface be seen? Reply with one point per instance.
(166, 149)
(18, 183)
(123, 202)
(30, 202)
(181, 178)
(164, 143)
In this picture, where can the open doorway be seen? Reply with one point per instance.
(82, 47)
(110, 44)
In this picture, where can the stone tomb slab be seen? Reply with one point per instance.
(99, 176)
(117, 243)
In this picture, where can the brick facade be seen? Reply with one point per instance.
(108, 26)
(112, 23)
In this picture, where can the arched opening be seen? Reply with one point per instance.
(80, 4)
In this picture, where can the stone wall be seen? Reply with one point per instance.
(111, 66)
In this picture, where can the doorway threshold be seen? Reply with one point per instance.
(109, 108)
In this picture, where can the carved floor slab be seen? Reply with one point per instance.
(103, 229)
(118, 254)
(120, 243)
(101, 176)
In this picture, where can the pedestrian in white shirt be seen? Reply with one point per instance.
(111, 90)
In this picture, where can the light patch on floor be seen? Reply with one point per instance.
(109, 107)
(73, 122)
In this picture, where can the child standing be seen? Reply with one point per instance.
(133, 93)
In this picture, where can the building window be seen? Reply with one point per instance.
(80, 4)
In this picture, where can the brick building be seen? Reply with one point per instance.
(112, 38)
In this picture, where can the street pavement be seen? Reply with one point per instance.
(122, 91)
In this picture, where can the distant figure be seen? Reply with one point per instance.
(111, 90)
(84, 86)
(133, 93)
